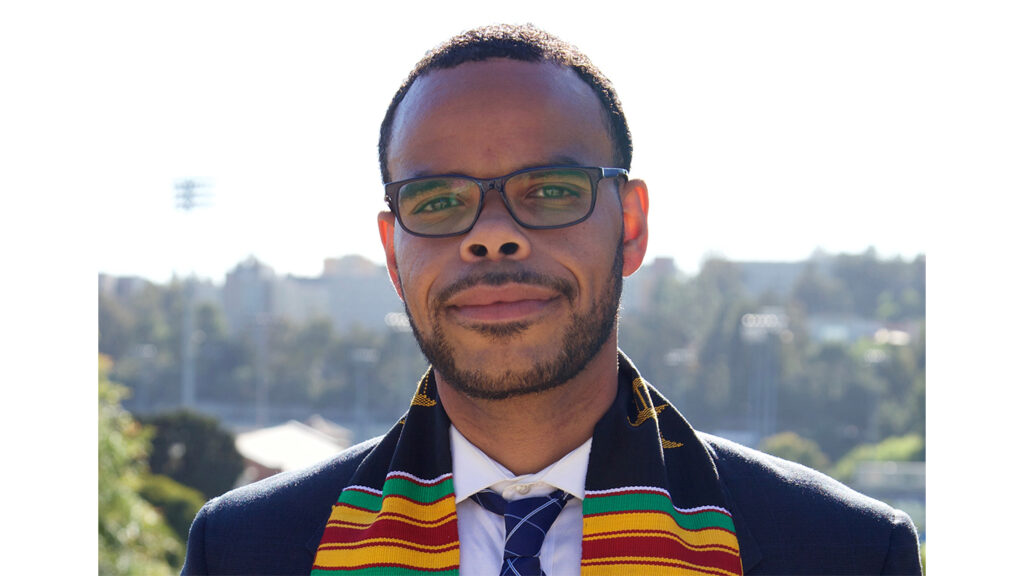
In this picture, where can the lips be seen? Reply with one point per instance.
(505, 303)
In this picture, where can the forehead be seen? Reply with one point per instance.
(497, 116)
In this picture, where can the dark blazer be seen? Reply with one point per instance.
(789, 520)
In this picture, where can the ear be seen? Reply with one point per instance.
(386, 229)
(634, 225)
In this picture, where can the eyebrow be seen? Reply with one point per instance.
(554, 172)
(560, 160)
(565, 161)
(414, 189)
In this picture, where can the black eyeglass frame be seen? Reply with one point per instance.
(595, 173)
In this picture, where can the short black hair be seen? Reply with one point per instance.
(517, 42)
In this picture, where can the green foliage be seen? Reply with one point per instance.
(886, 289)
(116, 336)
(140, 332)
(831, 397)
(133, 537)
(820, 293)
(194, 450)
(178, 503)
(684, 332)
(908, 448)
(791, 446)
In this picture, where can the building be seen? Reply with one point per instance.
(289, 446)
(247, 296)
(352, 291)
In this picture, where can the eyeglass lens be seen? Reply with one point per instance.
(542, 198)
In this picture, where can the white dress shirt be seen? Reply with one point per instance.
(482, 533)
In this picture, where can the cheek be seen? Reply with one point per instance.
(418, 267)
(605, 242)
(588, 256)
(604, 231)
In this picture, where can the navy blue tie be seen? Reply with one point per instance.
(526, 523)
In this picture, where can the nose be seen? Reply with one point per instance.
(496, 235)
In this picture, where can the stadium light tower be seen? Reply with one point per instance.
(188, 198)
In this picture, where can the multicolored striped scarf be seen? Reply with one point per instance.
(653, 503)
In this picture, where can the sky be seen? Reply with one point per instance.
(764, 130)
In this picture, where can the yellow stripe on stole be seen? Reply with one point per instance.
(417, 514)
(378, 541)
(351, 516)
(377, 553)
(640, 523)
(635, 566)
(724, 549)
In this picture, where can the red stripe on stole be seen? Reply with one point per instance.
(654, 547)
(647, 562)
(400, 544)
(393, 516)
(439, 535)
(660, 534)
(408, 567)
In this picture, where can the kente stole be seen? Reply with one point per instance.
(653, 503)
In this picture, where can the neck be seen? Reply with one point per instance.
(529, 433)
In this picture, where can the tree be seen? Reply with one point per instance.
(659, 327)
(133, 537)
(178, 503)
(194, 450)
(908, 448)
(115, 324)
(791, 446)
(819, 293)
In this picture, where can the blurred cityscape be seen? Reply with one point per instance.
(820, 361)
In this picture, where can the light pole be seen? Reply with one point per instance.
(759, 331)
(187, 199)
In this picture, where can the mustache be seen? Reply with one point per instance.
(499, 278)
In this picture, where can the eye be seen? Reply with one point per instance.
(438, 204)
(553, 192)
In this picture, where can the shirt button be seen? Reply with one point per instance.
(523, 489)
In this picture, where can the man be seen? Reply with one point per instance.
(532, 443)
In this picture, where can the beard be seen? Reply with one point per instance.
(585, 334)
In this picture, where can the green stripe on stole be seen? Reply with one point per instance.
(648, 502)
(397, 486)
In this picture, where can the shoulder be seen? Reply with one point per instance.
(272, 525)
(308, 486)
(753, 475)
(793, 515)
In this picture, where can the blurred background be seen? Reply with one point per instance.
(215, 164)
(821, 361)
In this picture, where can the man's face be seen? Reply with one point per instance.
(503, 310)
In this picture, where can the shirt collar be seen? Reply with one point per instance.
(472, 471)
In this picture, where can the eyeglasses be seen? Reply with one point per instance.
(537, 198)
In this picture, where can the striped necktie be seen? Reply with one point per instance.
(526, 523)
